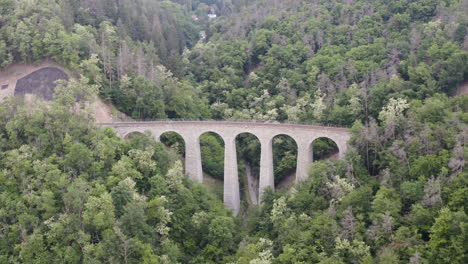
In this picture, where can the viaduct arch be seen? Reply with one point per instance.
(191, 131)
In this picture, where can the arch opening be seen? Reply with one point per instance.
(284, 161)
(135, 135)
(212, 155)
(248, 150)
(175, 144)
(324, 148)
(142, 140)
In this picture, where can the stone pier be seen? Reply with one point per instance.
(267, 177)
(193, 165)
(304, 159)
(231, 178)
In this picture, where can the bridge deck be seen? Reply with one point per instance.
(224, 123)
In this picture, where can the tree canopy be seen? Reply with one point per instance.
(71, 192)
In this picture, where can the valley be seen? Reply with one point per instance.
(233, 131)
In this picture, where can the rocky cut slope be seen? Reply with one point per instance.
(33, 82)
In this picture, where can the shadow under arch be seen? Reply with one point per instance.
(212, 157)
(174, 141)
(135, 134)
(324, 148)
(248, 148)
(285, 150)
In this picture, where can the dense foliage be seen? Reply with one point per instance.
(400, 196)
(118, 45)
(73, 193)
(330, 61)
(320, 61)
(70, 192)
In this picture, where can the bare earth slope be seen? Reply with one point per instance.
(37, 81)
(40, 83)
(462, 88)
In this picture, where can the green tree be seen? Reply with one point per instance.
(448, 237)
(99, 213)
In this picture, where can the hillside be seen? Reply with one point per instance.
(33, 82)
(394, 72)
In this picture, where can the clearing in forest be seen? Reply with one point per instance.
(37, 81)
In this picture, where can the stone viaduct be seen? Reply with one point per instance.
(191, 131)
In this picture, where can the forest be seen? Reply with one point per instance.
(391, 71)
